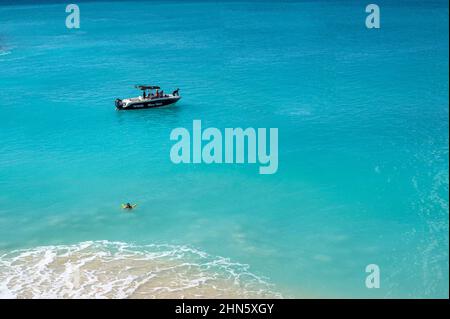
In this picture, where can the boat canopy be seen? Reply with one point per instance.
(147, 87)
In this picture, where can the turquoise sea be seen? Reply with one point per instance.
(363, 120)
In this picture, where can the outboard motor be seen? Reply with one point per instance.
(119, 104)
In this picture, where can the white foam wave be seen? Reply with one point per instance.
(104, 269)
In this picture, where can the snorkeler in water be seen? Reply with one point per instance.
(128, 206)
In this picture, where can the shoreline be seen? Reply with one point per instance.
(117, 270)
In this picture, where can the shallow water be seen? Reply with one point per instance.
(104, 269)
(363, 137)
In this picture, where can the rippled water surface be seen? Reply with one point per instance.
(363, 149)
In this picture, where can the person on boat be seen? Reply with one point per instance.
(175, 93)
(162, 93)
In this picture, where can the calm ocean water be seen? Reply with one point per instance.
(363, 139)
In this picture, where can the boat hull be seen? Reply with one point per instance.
(147, 104)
